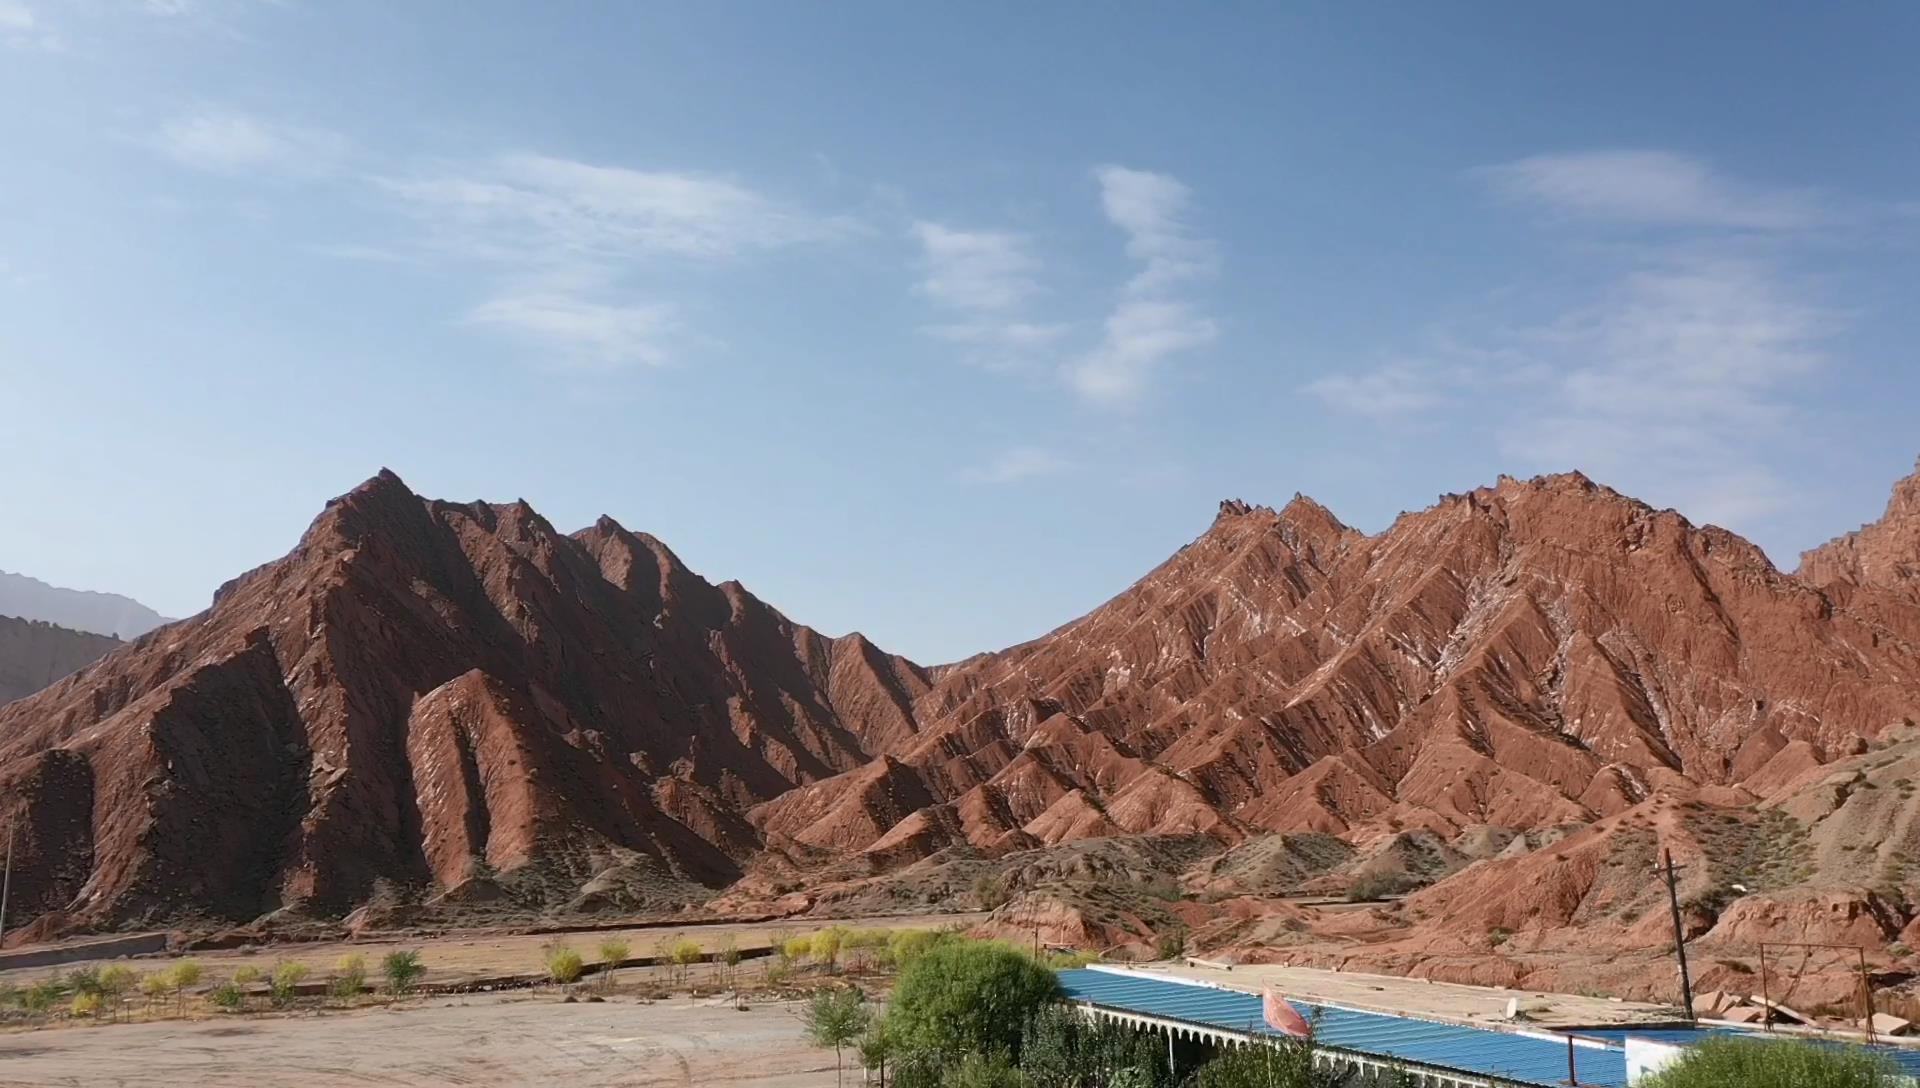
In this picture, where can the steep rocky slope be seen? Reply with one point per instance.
(1502, 698)
(34, 654)
(423, 693)
(1530, 654)
(1884, 554)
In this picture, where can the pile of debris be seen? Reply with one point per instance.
(1721, 1007)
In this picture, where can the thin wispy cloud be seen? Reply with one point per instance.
(1150, 324)
(228, 142)
(573, 235)
(1672, 372)
(21, 27)
(987, 279)
(577, 333)
(975, 270)
(528, 206)
(1659, 188)
(1392, 391)
(1152, 209)
(1016, 465)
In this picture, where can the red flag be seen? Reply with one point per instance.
(1283, 1017)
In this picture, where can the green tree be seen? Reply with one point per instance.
(285, 981)
(228, 996)
(402, 970)
(730, 958)
(836, 1018)
(826, 946)
(978, 1070)
(876, 1048)
(86, 1003)
(1753, 1064)
(685, 953)
(962, 997)
(907, 945)
(42, 996)
(115, 981)
(613, 952)
(349, 977)
(1061, 1049)
(1284, 1064)
(183, 977)
(564, 964)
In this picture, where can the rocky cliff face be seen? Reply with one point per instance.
(423, 692)
(1524, 655)
(1881, 555)
(35, 654)
(437, 694)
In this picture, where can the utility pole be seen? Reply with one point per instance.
(6, 884)
(1679, 933)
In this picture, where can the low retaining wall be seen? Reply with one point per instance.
(139, 944)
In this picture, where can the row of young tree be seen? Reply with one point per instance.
(972, 1014)
(109, 993)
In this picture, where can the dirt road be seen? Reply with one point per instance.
(483, 1041)
(458, 957)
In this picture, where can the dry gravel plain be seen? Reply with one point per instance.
(484, 1040)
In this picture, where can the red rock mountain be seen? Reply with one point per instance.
(1524, 655)
(34, 654)
(423, 692)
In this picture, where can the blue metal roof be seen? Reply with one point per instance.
(1477, 1051)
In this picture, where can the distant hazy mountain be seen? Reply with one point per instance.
(34, 654)
(79, 609)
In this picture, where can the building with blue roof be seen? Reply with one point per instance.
(1435, 1053)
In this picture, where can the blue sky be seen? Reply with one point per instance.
(940, 325)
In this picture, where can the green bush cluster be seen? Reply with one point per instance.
(1771, 1064)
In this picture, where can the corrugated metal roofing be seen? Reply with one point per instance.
(1476, 1051)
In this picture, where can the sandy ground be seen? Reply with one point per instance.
(456, 958)
(1419, 997)
(484, 1040)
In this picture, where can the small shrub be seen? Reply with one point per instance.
(1171, 943)
(228, 996)
(283, 982)
(907, 945)
(1376, 886)
(349, 978)
(564, 964)
(1753, 1064)
(796, 949)
(156, 986)
(246, 976)
(613, 952)
(402, 970)
(685, 953)
(42, 996)
(87, 1003)
(84, 980)
(826, 946)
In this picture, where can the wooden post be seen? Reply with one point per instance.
(1766, 999)
(1573, 1075)
(6, 885)
(1679, 937)
(1866, 991)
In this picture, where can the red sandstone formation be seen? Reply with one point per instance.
(1514, 693)
(420, 693)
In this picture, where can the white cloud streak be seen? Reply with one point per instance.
(581, 334)
(225, 142)
(1147, 326)
(975, 270)
(526, 206)
(987, 279)
(1652, 187)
